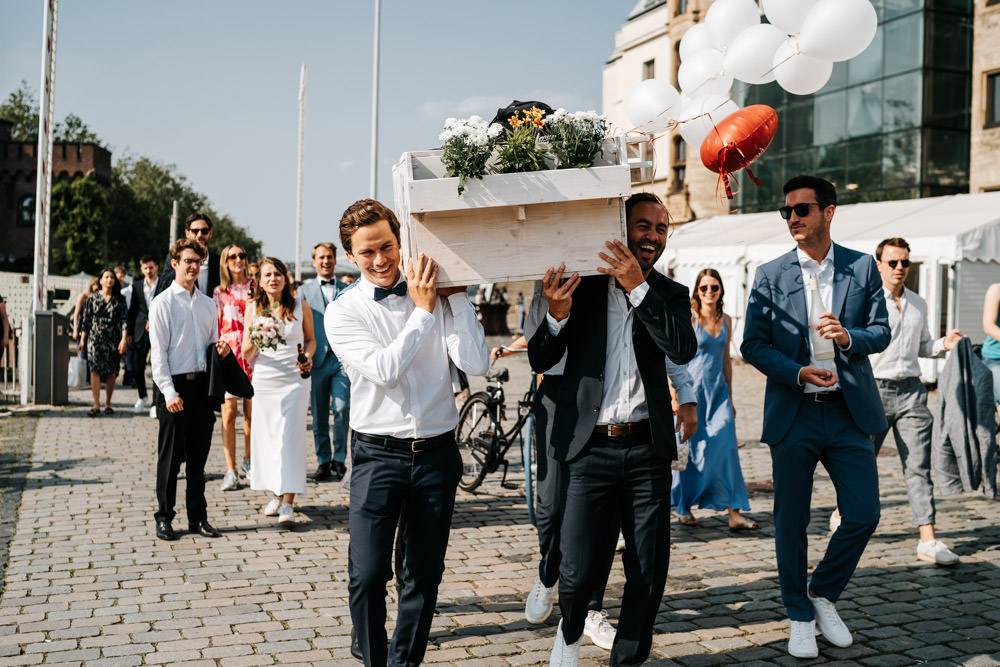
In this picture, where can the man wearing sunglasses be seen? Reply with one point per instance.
(897, 373)
(818, 410)
(197, 227)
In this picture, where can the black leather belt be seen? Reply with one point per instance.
(827, 396)
(190, 377)
(892, 383)
(629, 429)
(411, 445)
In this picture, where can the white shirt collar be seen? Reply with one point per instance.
(806, 260)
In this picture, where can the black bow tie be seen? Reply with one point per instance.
(398, 290)
(328, 282)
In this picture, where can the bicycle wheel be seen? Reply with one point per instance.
(527, 456)
(475, 435)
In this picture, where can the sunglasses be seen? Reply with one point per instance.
(706, 288)
(801, 210)
(201, 230)
(905, 263)
(237, 255)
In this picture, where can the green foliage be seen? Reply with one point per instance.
(78, 215)
(75, 131)
(21, 108)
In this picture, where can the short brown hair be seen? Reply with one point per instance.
(895, 242)
(640, 198)
(325, 244)
(362, 213)
(198, 215)
(187, 244)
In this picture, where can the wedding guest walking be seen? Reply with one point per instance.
(821, 402)
(278, 325)
(713, 478)
(104, 333)
(230, 299)
(81, 301)
(138, 325)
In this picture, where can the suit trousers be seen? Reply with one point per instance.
(417, 492)
(905, 403)
(140, 350)
(331, 390)
(822, 433)
(184, 436)
(612, 479)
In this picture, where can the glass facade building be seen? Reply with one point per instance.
(891, 123)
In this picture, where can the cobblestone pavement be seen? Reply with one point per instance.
(88, 583)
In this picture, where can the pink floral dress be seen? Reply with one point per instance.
(232, 305)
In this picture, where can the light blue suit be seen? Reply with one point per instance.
(803, 432)
(331, 389)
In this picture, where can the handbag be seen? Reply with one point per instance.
(683, 454)
(77, 376)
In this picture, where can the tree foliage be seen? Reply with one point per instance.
(79, 210)
(21, 109)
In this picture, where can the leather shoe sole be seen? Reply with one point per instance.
(204, 529)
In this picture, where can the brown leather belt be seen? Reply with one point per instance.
(626, 430)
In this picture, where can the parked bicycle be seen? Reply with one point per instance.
(485, 435)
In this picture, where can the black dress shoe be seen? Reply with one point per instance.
(323, 472)
(355, 647)
(203, 528)
(339, 469)
(165, 532)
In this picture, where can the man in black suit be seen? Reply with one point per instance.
(612, 424)
(197, 227)
(138, 323)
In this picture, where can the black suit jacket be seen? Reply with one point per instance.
(213, 275)
(225, 374)
(661, 328)
(138, 310)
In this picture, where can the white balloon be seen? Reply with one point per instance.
(797, 73)
(787, 15)
(695, 127)
(694, 40)
(649, 104)
(703, 74)
(838, 29)
(750, 57)
(728, 18)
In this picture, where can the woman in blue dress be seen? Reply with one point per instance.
(713, 478)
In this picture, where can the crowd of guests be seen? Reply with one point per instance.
(633, 367)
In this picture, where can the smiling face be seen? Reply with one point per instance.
(236, 261)
(812, 229)
(199, 230)
(375, 250)
(186, 268)
(709, 290)
(325, 261)
(272, 280)
(647, 233)
(893, 278)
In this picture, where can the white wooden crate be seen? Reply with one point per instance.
(509, 227)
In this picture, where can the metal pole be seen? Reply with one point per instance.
(374, 155)
(174, 218)
(302, 152)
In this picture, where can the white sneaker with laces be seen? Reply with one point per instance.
(140, 406)
(230, 481)
(834, 522)
(563, 654)
(539, 604)
(829, 623)
(271, 509)
(935, 551)
(802, 640)
(600, 631)
(286, 514)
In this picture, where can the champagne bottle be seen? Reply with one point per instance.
(822, 348)
(303, 359)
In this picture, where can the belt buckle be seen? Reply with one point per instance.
(619, 430)
(415, 445)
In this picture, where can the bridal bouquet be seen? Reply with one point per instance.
(267, 331)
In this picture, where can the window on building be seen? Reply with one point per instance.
(648, 69)
(26, 211)
(993, 99)
(679, 164)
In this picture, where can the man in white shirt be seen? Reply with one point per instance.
(183, 322)
(396, 337)
(138, 325)
(904, 397)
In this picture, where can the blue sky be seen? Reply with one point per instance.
(212, 86)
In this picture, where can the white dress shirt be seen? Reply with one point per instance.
(127, 294)
(181, 327)
(329, 290)
(824, 276)
(911, 339)
(147, 291)
(396, 356)
(203, 275)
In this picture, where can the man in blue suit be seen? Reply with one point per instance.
(818, 411)
(331, 389)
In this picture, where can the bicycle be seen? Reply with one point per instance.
(483, 441)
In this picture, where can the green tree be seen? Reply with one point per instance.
(21, 108)
(79, 210)
(74, 130)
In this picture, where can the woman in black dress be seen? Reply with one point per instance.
(103, 330)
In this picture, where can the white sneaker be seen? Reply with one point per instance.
(802, 640)
(621, 543)
(936, 552)
(563, 654)
(140, 406)
(271, 509)
(230, 481)
(834, 522)
(829, 623)
(599, 630)
(152, 412)
(539, 604)
(286, 514)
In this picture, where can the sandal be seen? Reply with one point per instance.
(109, 411)
(687, 520)
(93, 412)
(745, 524)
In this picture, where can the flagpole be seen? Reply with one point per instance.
(298, 198)
(374, 154)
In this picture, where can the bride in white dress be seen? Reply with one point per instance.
(277, 324)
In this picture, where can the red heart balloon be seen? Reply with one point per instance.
(738, 140)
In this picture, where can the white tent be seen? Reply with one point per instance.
(954, 243)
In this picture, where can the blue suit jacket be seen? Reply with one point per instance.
(313, 294)
(776, 337)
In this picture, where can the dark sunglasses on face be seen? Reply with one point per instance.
(200, 230)
(801, 210)
(705, 288)
(905, 263)
(237, 255)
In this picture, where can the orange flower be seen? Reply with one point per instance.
(515, 121)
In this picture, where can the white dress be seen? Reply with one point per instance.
(281, 398)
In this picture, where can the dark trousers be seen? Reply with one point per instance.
(184, 436)
(139, 352)
(612, 479)
(417, 493)
(826, 433)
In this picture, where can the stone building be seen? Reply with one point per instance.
(984, 170)
(18, 164)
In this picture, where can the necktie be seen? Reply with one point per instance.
(398, 290)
